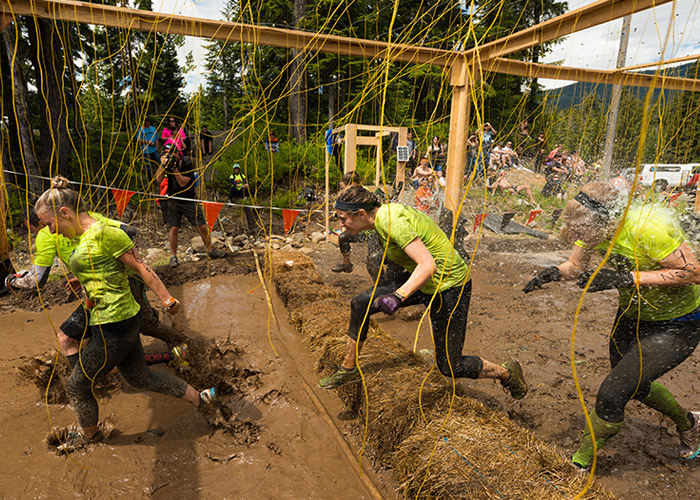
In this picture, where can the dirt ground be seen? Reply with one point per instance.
(280, 444)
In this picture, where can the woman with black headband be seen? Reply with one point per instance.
(435, 275)
(658, 321)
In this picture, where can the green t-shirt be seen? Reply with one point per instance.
(103, 277)
(649, 235)
(49, 245)
(400, 225)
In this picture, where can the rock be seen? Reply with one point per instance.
(306, 250)
(218, 242)
(278, 237)
(275, 246)
(217, 234)
(152, 252)
(410, 313)
(189, 251)
(317, 236)
(287, 248)
(240, 238)
(198, 245)
(247, 245)
(297, 238)
(260, 244)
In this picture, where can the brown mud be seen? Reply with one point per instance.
(279, 446)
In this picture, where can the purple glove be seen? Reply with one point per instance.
(388, 304)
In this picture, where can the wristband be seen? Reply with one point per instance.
(169, 303)
(401, 293)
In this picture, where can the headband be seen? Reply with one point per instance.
(594, 206)
(354, 207)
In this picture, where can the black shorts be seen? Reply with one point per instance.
(76, 326)
(190, 209)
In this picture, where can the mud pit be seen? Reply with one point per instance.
(163, 448)
(277, 445)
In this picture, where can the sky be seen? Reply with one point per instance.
(594, 48)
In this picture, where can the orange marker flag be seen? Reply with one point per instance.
(478, 219)
(211, 211)
(121, 198)
(533, 215)
(289, 216)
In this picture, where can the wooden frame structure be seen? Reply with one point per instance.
(352, 140)
(464, 68)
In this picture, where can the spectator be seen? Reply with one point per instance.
(181, 183)
(239, 184)
(272, 143)
(412, 152)
(437, 156)
(541, 148)
(472, 145)
(172, 134)
(206, 141)
(509, 158)
(148, 138)
(503, 184)
(423, 170)
(552, 188)
(487, 135)
(495, 159)
(425, 199)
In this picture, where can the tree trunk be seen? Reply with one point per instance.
(22, 120)
(297, 84)
(48, 61)
(331, 103)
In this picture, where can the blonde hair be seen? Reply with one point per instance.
(577, 216)
(57, 196)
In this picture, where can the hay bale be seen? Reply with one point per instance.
(281, 262)
(440, 445)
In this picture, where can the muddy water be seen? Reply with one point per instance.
(163, 448)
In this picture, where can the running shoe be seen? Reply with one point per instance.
(208, 397)
(339, 377)
(215, 253)
(75, 441)
(690, 439)
(515, 384)
(174, 262)
(180, 356)
(342, 268)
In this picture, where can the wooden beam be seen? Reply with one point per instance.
(401, 165)
(661, 63)
(350, 147)
(591, 15)
(143, 20)
(613, 77)
(459, 123)
(363, 140)
(5, 19)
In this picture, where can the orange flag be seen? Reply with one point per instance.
(478, 219)
(121, 198)
(211, 210)
(289, 217)
(533, 215)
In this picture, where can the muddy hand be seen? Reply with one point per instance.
(73, 285)
(545, 276)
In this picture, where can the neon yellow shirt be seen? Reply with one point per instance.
(649, 235)
(49, 245)
(103, 277)
(400, 225)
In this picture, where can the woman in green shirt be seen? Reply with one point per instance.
(435, 275)
(658, 320)
(100, 261)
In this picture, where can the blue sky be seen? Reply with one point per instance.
(594, 48)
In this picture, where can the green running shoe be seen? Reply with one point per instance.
(339, 377)
(180, 355)
(516, 384)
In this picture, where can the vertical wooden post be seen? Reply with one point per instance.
(377, 172)
(5, 265)
(401, 165)
(328, 188)
(696, 207)
(459, 123)
(350, 147)
(5, 19)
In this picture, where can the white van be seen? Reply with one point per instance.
(677, 175)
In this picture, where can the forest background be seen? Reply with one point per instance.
(74, 96)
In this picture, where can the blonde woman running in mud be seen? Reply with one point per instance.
(657, 325)
(100, 261)
(432, 266)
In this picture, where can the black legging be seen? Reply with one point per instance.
(449, 329)
(122, 344)
(664, 345)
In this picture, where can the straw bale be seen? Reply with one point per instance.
(440, 444)
(281, 262)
